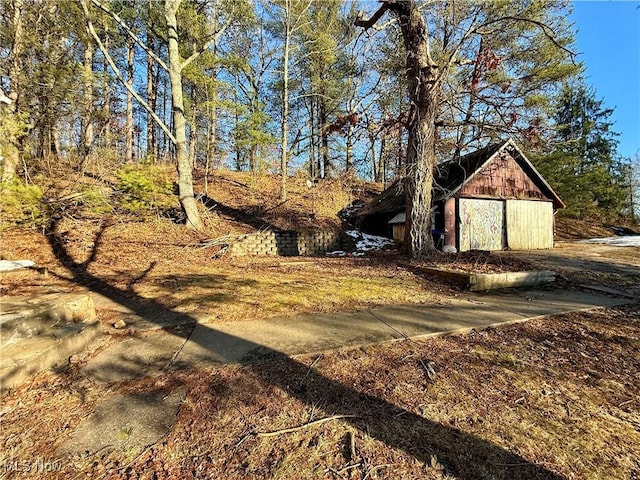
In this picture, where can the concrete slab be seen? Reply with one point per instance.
(27, 316)
(243, 342)
(258, 340)
(141, 318)
(138, 420)
(126, 421)
(51, 347)
(482, 311)
(135, 357)
(38, 332)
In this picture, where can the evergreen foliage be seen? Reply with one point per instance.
(144, 189)
(582, 164)
(343, 106)
(21, 204)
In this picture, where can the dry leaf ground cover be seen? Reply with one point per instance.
(552, 398)
(159, 261)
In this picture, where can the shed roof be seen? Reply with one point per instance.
(399, 218)
(452, 175)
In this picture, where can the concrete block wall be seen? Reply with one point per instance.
(286, 243)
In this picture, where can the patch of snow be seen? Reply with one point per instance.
(364, 243)
(347, 212)
(372, 242)
(627, 241)
(337, 253)
(8, 265)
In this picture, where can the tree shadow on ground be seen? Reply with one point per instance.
(464, 455)
(237, 214)
(256, 217)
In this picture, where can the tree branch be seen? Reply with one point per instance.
(214, 39)
(546, 29)
(118, 74)
(130, 32)
(301, 427)
(367, 24)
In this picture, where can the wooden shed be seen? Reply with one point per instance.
(490, 199)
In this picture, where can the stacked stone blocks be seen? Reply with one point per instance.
(286, 243)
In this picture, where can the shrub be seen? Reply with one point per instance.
(21, 204)
(145, 189)
(95, 202)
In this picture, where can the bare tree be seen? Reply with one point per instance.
(174, 68)
(293, 18)
(128, 134)
(87, 132)
(423, 78)
(427, 69)
(12, 99)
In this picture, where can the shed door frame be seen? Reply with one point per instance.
(487, 218)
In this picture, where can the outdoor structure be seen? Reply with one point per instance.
(490, 199)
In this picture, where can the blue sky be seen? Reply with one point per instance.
(608, 41)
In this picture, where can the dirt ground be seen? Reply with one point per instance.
(553, 398)
(588, 264)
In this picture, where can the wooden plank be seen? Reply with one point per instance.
(610, 291)
(398, 232)
(529, 224)
(481, 224)
(491, 281)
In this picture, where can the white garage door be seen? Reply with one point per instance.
(529, 224)
(481, 224)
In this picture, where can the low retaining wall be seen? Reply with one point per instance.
(286, 243)
(478, 282)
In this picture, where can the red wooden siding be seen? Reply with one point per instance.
(502, 178)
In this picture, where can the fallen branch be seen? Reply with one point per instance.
(348, 467)
(224, 240)
(301, 427)
(313, 364)
(339, 473)
(373, 469)
(429, 367)
(352, 446)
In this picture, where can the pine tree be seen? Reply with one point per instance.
(584, 164)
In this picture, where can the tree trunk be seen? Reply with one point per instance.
(193, 135)
(152, 85)
(9, 164)
(382, 158)
(349, 147)
(185, 178)
(213, 122)
(106, 107)
(423, 85)
(374, 161)
(87, 113)
(128, 136)
(312, 145)
(401, 157)
(284, 161)
(324, 138)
